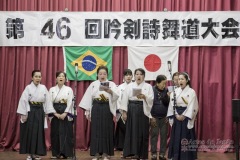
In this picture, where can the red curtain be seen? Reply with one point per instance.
(214, 71)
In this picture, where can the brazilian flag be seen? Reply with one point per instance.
(88, 59)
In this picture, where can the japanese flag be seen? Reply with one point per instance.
(154, 60)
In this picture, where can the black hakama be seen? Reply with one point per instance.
(179, 149)
(61, 133)
(32, 136)
(120, 134)
(102, 129)
(137, 131)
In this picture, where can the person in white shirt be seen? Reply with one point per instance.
(136, 104)
(100, 105)
(181, 118)
(32, 107)
(62, 122)
(121, 126)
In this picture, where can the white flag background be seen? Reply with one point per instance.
(154, 60)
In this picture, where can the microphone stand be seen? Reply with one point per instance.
(174, 93)
(74, 117)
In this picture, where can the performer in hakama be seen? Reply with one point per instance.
(62, 122)
(136, 105)
(33, 105)
(100, 104)
(121, 126)
(182, 118)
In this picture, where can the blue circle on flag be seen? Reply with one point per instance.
(89, 63)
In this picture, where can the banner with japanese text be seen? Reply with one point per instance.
(35, 28)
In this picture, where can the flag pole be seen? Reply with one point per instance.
(75, 115)
(174, 93)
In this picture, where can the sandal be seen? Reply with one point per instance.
(97, 156)
(29, 158)
(154, 157)
(161, 157)
(64, 157)
(135, 157)
(122, 155)
(35, 157)
(55, 157)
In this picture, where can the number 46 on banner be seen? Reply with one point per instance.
(47, 29)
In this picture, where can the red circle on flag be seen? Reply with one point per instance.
(152, 62)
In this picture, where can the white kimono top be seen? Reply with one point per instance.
(121, 89)
(93, 92)
(35, 93)
(64, 94)
(185, 98)
(146, 90)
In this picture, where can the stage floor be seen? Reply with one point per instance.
(84, 155)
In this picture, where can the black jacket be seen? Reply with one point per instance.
(160, 103)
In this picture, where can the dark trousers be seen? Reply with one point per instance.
(161, 127)
(120, 134)
(137, 131)
(61, 133)
(32, 135)
(181, 145)
(102, 129)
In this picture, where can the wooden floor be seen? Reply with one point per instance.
(84, 155)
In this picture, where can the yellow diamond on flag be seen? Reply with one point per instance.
(89, 62)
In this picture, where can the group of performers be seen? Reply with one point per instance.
(140, 111)
(35, 103)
